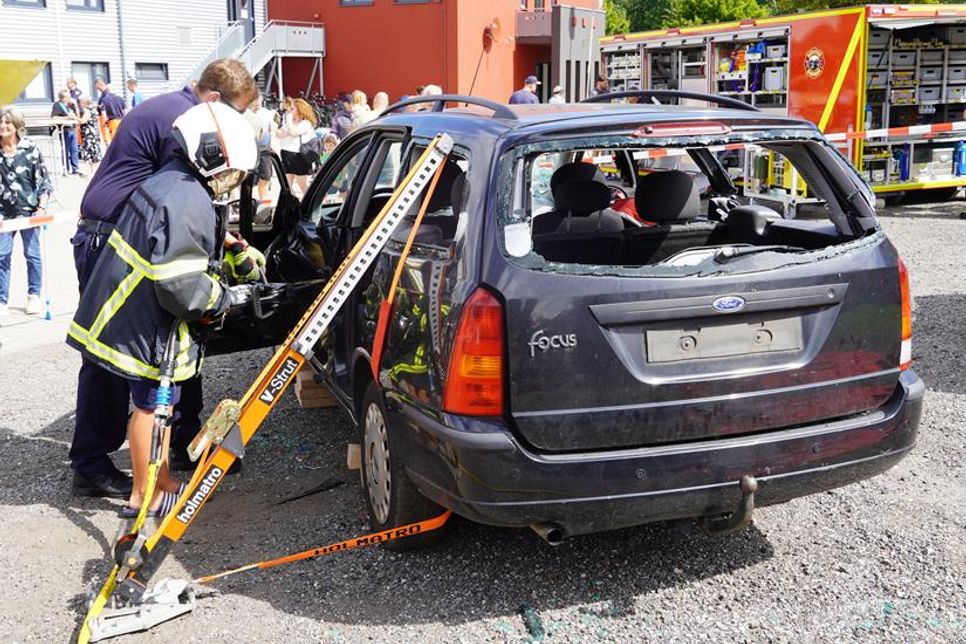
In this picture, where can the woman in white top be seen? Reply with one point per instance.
(299, 128)
(379, 103)
(361, 114)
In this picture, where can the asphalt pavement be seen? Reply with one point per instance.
(881, 560)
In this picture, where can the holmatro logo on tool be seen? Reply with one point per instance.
(279, 380)
(207, 485)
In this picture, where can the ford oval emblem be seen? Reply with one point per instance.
(728, 304)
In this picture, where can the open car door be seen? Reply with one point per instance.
(268, 216)
(305, 241)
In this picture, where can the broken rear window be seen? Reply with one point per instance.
(678, 203)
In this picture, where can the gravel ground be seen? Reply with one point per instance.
(883, 560)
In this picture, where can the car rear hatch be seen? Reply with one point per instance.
(605, 357)
(600, 362)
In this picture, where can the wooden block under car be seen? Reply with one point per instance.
(311, 394)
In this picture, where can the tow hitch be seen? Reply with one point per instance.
(741, 517)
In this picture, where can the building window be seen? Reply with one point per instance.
(355, 3)
(523, 5)
(86, 5)
(413, 1)
(151, 71)
(40, 4)
(538, 5)
(85, 73)
(40, 89)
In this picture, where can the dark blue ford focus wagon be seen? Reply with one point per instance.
(613, 313)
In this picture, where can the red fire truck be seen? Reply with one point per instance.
(854, 72)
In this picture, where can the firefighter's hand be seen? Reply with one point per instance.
(244, 263)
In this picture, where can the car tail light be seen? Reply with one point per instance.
(905, 354)
(474, 382)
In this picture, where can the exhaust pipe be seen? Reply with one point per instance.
(552, 533)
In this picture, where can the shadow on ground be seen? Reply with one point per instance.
(924, 207)
(475, 572)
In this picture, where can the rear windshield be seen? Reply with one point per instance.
(678, 204)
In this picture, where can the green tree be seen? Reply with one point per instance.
(617, 20)
(703, 12)
(782, 7)
(662, 14)
(647, 14)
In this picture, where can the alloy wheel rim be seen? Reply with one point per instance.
(378, 477)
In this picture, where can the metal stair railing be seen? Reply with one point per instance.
(283, 38)
(231, 42)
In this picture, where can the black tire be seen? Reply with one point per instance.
(391, 500)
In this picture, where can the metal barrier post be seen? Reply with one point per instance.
(45, 289)
(65, 153)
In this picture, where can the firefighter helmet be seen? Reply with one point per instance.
(218, 141)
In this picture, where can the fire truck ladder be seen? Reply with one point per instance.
(232, 425)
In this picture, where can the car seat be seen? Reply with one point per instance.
(581, 230)
(569, 173)
(576, 171)
(670, 199)
(439, 223)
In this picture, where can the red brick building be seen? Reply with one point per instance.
(397, 45)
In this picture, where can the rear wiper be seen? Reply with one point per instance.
(727, 254)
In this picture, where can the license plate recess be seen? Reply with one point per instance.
(724, 338)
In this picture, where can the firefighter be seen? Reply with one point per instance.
(139, 150)
(157, 271)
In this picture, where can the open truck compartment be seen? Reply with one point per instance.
(849, 70)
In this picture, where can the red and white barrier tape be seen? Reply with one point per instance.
(899, 132)
(838, 137)
(22, 223)
(660, 153)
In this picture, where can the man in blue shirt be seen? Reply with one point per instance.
(528, 94)
(111, 106)
(142, 145)
(136, 97)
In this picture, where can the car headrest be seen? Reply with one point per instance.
(581, 198)
(576, 171)
(443, 195)
(667, 195)
(750, 221)
(457, 197)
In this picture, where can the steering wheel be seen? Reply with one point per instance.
(617, 192)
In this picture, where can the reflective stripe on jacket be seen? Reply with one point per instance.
(153, 271)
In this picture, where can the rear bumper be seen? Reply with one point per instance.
(478, 468)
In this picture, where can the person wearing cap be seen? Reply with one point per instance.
(155, 279)
(557, 96)
(527, 94)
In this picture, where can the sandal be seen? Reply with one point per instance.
(168, 500)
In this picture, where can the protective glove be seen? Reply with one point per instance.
(243, 263)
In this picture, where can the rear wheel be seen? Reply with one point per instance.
(391, 498)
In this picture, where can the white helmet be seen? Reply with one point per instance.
(219, 142)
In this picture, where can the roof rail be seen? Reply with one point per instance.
(439, 101)
(655, 94)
